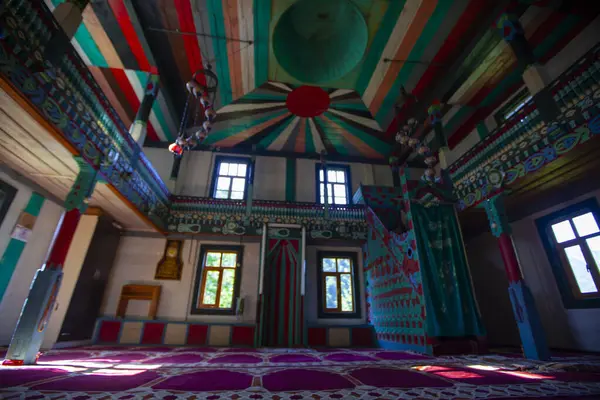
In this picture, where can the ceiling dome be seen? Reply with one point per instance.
(318, 41)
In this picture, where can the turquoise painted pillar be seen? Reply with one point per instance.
(16, 245)
(533, 337)
(37, 309)
(139, 127)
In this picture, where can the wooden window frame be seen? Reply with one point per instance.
(348, 184)
(356, 293)
(572, 298)
(215, 175)
(200, 281)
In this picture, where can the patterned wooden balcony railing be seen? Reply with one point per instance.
(524, 144)
(206, 215)
(67, 95)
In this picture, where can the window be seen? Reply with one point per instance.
(217, 280)
(572, 240)
(513, 106)
(338, 184)
(229, 178)
(337, 284)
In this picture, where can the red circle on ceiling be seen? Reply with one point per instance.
(307, 101)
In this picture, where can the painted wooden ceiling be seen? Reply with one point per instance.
(122, 40)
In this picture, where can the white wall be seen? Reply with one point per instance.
(31, 259)
(136, 262)
(72, 268)
(195, 176)
(162, 161)
(311, 302)
(565, 328)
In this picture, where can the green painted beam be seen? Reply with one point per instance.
(262, 20)
(290, 179)
(15, 247)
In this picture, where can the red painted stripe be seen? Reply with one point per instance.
(122, 17)
(287, 299)
(452, 42)
(132, 98)
(186, 23)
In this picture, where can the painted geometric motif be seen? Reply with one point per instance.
(303, 119)
(394, 288)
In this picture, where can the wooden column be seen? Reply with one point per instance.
(533, 337)
(37, 309)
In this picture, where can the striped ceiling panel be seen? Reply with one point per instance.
(266, 118)
(123, 40)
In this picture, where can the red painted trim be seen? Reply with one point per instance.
(287, 299)
(66, 231)
(186, 24)
(509, 256)
(122, 17)
(132, 98)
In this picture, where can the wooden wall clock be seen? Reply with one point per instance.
(170, 265)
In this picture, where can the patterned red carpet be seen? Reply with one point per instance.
(210, 373)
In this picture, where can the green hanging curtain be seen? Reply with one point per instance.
(450, 304)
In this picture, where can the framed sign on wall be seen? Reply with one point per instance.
(170, 265)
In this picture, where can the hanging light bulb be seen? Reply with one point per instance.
(200, 135)
(422, 150)
(430, 161)
(207, 126)
(192, 86)
(210, 114)
(176, 149)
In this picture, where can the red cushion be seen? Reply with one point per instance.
(362, 337)
(197, 334)
(153, 333)
(317, 337)
(109, 331)
(242, 336)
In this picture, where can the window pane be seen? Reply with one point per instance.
(222, 194)
(229, 260)
(213, 259)
(341, 176)
(233, 168)
(563, 231)
(226, 299)
(241, 170)
(322, 189)
(341, 200)
(329, 189)
(585, 224)
(329, 199)
(322, 199)
(594, 244)
(237, 195)
(224, 168)
(331, 176)
(339, 190)
(238, 184)
(210, 288)
(579, 267)
(329, 265)
(343, 265)
(346, 283)
(223, 183)
(331, 292)
(321, 176)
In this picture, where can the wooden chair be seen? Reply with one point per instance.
(139, 292)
